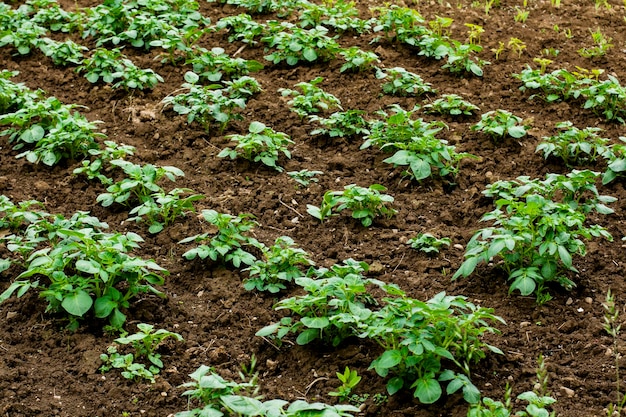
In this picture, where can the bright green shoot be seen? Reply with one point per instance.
(500, 123)
(312, 99)
(365, 203)
(304, 177)
(261, 144)
(349, 380)
(451, 104)
(427, 243)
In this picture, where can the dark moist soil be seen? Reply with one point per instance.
(46, 370)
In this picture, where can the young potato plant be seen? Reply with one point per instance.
(220, 397)
(230, 242)
(534, 236)
(500, 123)
(293, 45)
(575, 146)
(206, 104)
(14, 96)
(616, 158)
(415, 144)
(428, 243)
(262, 144)
(51, 130)
(429, 345)
(401, 82)
(312, 99)
(304, 177)
(278, 267)
(401, 24)
(213, 65)
(460, 59)
(50, 15)
(336, 301)
(62, 53)
(601, 47)
(22, 34)
(349, 380)
(86, 270)
(145, 343)
(111, 66)
(339, 15)
(161, 209)
(357, 59)
(365, 203)
(452, 105)
(140, 183)
(101, 162)
(241, 28)
(348, 123)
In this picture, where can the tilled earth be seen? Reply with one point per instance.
(48, 371)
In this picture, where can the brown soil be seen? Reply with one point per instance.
(46, 370)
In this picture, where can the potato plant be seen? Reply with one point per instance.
(311, 100)
(575, 146)
(341, 124)
(293, 45)
(262, 144)
(365, 203)
(220, 397)
(401, 82)
(535, 235)
(500, 123)
(80, 269)
(212, 65)
(231, 242)
(451, 104)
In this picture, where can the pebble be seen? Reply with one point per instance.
(588, 300)
(458, 246)
(11, 314)
(569, 301)
(568, 392)
(524, 324)
(608, 352)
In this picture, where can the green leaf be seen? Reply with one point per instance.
(565, 256)
(394, 385)
(191, 77)
(386, 361)
(244, 406)
(315, 322)
(104, 306)
(524, 284)
(87, 266)
(427, 391)
(307, 336)
(78, 303)
(4, 264)
(256, 127)
(117, 319)
(309, 54)
(517, 131)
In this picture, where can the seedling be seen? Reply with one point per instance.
(98, 167)
(161, 209)
(312, 99)
(401, 82)
(86, 270)
(428, 243)
(365, 203)
(341, 124)
(357, 59)
(139, 185)
(613, 327)
(206, 104)
(500, 123)
(543, 63)
(126, 363)
(220, 397)
(304, 177)
(415, 144)
(535, 236)
(111, 66)
(278, 266)
(575, 146)
(261, 144)
(241, 28)
(230, 242)
(293, 45)
(522, 14)
(602, 45)
(62, 53)
(146, 342)
(451, 104)
(473, 33)
(215, 64)
(349, 380)
(517, 46)
(460, 59)
(497, 51)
